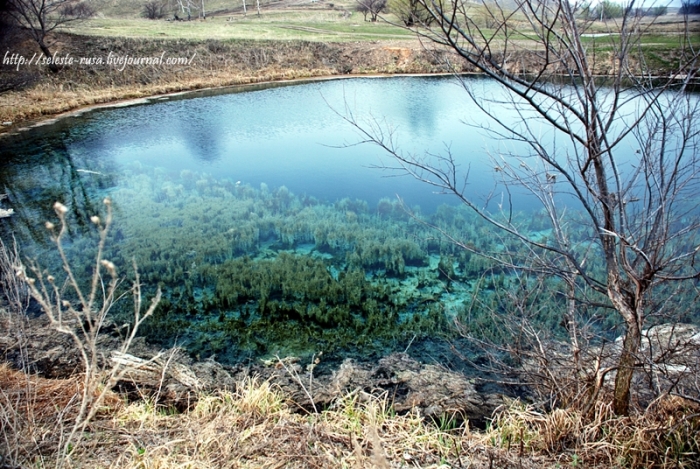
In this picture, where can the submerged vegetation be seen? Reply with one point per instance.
(249, 272)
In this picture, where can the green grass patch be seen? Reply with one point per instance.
(323, 26)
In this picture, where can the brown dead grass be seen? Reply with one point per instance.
(664, 435)
(253, 426)
(36, 412)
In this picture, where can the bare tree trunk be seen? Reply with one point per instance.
(45, 50)
(633, 318)
(625, 369)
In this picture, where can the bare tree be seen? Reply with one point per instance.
(186, 6)
(640, 207)
(411, 12)
(153, 10)
(371, 7)
(39, 18)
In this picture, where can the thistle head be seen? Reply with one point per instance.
(109, 266)
(60, 209)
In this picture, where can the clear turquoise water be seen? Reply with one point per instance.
(290, 135)
(267, 224)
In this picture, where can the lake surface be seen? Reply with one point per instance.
(285, 135)
(264, 219)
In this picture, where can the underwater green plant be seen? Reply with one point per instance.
(247, 272)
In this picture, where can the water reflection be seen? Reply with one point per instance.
(282, 136)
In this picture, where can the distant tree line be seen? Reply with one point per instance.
(178, 10)
(610, 9)
(409, 12)
(690, 8)
(371, 7)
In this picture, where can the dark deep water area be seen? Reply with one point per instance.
(269, 228)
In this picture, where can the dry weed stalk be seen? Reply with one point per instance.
(292, 371)
(82, 318)
(15, 290)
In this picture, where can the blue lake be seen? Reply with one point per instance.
(289, 135)
(266, 221)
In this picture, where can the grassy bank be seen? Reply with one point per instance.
(325, 26)
(288, 41)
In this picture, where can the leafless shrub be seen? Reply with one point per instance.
(371, 7)
(80, 313)
(570, 383)
(78, 10)
(154, 10)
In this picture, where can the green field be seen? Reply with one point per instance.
(283, 20)
(322, 21)
(326, 26)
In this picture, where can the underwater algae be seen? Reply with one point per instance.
(251, 272)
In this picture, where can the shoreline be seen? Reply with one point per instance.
(50, 119)
(41, 96)
(123, 100)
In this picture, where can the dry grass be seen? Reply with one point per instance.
(36, 414)
(285, 25)
(665, 435)
(253, 426)
(50, 99)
